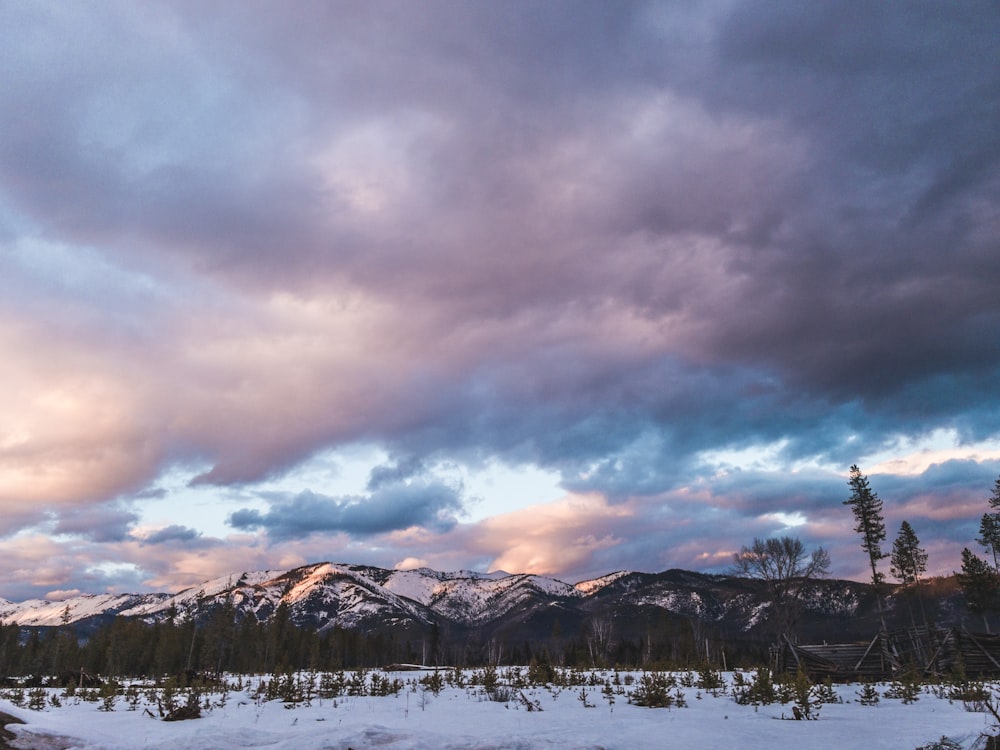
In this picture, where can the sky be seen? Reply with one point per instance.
(546, 287)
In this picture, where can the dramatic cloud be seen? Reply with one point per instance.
(691, 260)
(172, 533)
(98, 523)
(387, 509)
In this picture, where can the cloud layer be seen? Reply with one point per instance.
(695, 260)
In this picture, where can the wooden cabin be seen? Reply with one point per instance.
(936, 651)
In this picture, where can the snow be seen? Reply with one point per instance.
(306, 584)
(42, 612)
(468, 597)
(472, 598)
(554, 586)
(596, 584)
(190, 596)
(431, 587)
(421, 585)
(465, 718)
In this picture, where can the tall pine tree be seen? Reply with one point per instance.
(867, 508)
(907, 562)
(980, 585)
(989, 527)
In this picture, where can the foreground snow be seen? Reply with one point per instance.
(466, 718)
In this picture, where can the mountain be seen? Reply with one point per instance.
(326, 595)
(42, 613)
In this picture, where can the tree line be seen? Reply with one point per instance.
(220, 641)
(786, 567)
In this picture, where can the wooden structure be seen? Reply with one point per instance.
(930, 651)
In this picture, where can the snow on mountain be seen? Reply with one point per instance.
(479, 599)
(468, 597)
(428, 586)
(347, 595)
(325, 595)
(40, 612)
(187, 600)
(596, 584)
(321, 595)
(422, 584)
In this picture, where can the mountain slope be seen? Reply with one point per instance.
(326, 595)
(41, 613)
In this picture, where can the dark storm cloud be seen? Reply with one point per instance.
(388, 508)
(950, 476)
(887, 262)
(611, 240)
(837, 289)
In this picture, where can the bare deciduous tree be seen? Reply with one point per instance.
(599, 640)
(785, 567)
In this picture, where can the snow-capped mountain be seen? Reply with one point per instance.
(472, 598)
(41, 613)
(325, 595)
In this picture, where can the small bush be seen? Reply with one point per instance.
(868, 695)
(433, 682)
(710, 680)
(906, 689)
(757, 691)
(37, 698)
(654, 691)
(807, 701)
(500, 694)
(825, 693)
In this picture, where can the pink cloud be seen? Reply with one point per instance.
(551, 538)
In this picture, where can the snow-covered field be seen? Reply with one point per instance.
(466, 717)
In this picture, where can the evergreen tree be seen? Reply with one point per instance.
(989, 536)
(989, 526)
(867, 508)
(908, 560)
(980, 584)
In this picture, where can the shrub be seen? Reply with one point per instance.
(37, 698)
(907, 688)
(332, 684)
(433, 682)
(757, 691)
(500, 694)
(807, 702)
(653, 690)
(868, 695)
(710, 680)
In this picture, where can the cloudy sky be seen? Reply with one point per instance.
(544, 287)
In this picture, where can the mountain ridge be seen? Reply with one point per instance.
(325, 595)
